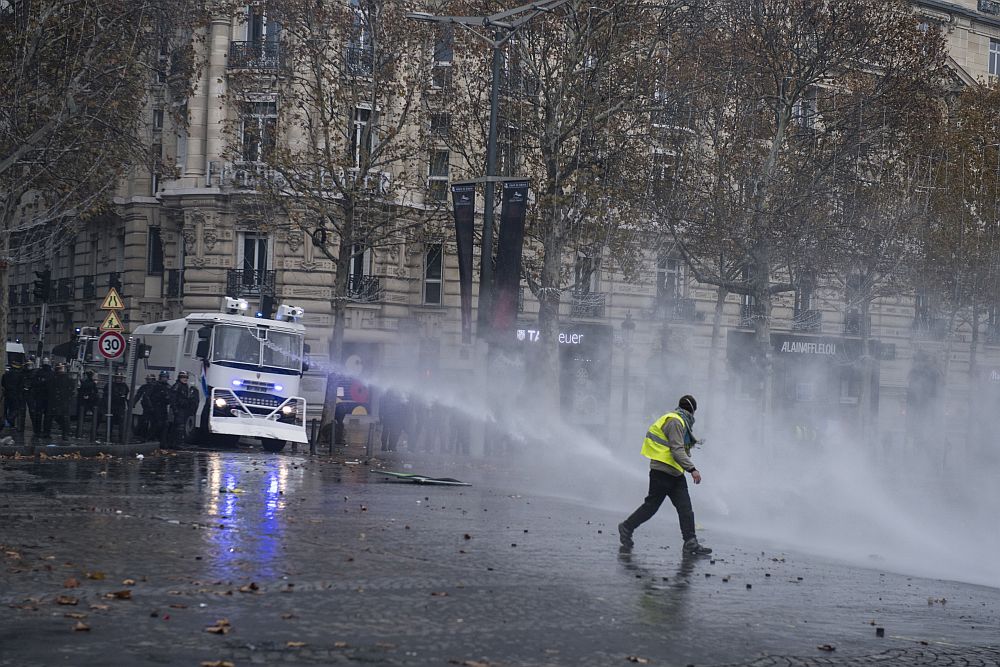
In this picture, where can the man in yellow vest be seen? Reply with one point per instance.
(668, 447)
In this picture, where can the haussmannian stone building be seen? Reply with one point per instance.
(178, 245)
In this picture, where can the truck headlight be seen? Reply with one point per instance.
(287, 410)
(220, 403)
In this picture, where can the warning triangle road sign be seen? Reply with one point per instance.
(113, 301)
(112, 323)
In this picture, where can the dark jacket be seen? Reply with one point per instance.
(119, 398)
(61, 388)
(86, 395)
(156, 400)
(13, 385)
(39, 388)
(185, 401)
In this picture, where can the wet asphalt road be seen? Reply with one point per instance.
(298, 561)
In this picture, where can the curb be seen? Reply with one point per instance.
(87, 450)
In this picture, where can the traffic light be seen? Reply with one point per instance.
(43, 285)
(267, 307)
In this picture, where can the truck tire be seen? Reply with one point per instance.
(272, 445)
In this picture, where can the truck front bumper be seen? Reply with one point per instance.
(230, 416)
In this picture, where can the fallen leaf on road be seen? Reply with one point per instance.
(217, 663)
(72, 582)
(440, 594)
(66, 599)
(81, 627)
(249, 588)
(96, 576)
(827, 647)
(118, 595)
(74, 614)
(288, 616)
(339, 644)
(295, 644)
(638, 659)
(217, 629)
(469, 663)
(128, 582)
(100, 607)
(178, 606)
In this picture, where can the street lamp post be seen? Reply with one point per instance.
(503, 26)
(628, 331)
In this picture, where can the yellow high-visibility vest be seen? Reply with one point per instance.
(656, 446)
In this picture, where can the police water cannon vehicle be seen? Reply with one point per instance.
(247, 370)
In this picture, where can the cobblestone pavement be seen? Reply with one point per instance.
(253, 559)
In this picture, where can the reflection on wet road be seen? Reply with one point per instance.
(314, 562)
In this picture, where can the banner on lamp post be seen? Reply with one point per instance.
(464, 207)
(507, 277)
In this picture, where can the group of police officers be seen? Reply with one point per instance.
(48, 396)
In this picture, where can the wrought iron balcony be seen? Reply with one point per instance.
(364, 289)
(360, 60)
(853, 323)
(256, 55)
(748, 314)
(808, 320)
(675, 308)
(930, 328)
(588, 304)
(249, 282)
(65, 290)
(173, 285)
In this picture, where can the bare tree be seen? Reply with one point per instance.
(75, 75)
(790, 91)
(343, 157)
(578, 85)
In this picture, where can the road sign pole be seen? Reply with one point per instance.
(41, 332)
(108, 389)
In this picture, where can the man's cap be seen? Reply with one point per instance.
(688, 403)
(182, 374)
(150, 376)
(164, 375)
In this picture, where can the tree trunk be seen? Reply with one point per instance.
(546, 375)
(867, 374)
(340, 297)
(720, 303)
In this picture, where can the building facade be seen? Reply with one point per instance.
(178, 245)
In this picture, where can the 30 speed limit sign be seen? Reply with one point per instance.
(111, 344)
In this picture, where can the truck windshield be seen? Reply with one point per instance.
(242, 345)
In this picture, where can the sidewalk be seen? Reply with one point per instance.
(16, 444)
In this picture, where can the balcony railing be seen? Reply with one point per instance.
(808, 320)
(249, 282)
(256, 55)
(933, 328)
(173, 286)
(853, 323)
(588, 304)
(25, 294)
(12, 292)
(89, 289)
(65, 290)
(360, 60)
(364, 289)
(748, 315)
(675, 308)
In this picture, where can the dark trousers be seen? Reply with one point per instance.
(662, 485)
(390, 435)
(61, 420)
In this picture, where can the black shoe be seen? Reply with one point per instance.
(625, 536)
(695, 548)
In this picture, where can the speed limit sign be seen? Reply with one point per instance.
(111, 344)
